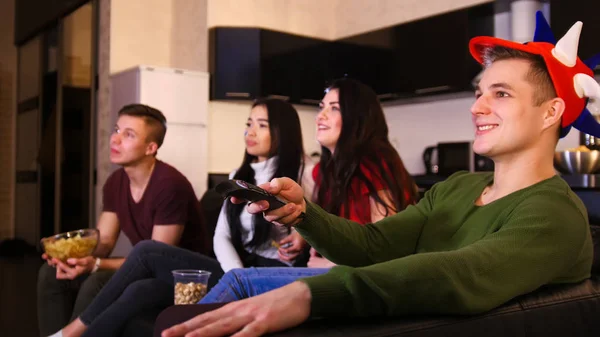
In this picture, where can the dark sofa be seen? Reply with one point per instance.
(557, 310)
(569, 310)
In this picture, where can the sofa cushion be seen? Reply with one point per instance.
(558, 310)
(595, 229)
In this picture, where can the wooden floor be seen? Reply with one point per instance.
(18, 278)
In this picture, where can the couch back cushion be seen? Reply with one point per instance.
(596, 239)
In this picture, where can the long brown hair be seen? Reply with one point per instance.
(363, 139)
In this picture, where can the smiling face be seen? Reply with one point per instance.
(329, 120)
(130, 143)
(505, 115)
(258, 134)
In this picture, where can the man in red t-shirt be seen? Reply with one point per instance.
(146, 199)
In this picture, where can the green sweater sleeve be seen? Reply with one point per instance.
(539, 243)
(348, 243)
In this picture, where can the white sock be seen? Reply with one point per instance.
(57, 334)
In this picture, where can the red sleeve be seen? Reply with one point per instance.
(408, 196)
(373, 175)
(172, 204)
(110, 191)
(315, 174)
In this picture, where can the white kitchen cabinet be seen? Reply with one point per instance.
(182, 96)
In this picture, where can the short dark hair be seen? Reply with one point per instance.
(154, 118)
(538, 74)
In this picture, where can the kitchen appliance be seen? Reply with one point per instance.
(449, 157)
(591, 142)
(430, 160)
(577, 162)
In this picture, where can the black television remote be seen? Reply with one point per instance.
(244, 190)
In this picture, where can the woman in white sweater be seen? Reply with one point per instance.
(273, 149)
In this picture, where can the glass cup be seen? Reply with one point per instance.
(190, 285)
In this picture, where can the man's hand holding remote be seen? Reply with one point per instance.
(284, 188)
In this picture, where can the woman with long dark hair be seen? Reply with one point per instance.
(360, 177)
(274, 149)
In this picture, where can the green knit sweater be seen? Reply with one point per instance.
(448, 256)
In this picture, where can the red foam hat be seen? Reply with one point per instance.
(572, 78)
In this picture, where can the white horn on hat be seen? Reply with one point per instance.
(586, 86)
(566, 48)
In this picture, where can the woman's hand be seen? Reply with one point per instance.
(291, 246)
(317, 261)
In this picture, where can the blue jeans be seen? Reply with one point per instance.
(238, 284)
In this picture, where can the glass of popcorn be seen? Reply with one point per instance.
(190, 285)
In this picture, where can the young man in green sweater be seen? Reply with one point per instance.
(471, 244)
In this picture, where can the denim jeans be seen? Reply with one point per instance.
(144, 282)
(237, 284)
